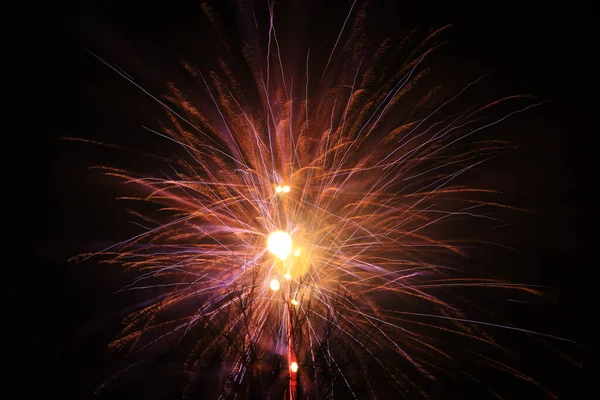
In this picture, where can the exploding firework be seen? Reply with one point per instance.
(307, 238)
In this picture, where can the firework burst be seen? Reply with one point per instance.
(306, 240)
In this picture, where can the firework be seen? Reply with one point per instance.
(306, 240)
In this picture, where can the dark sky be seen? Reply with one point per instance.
(62, 316)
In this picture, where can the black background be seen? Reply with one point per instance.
(62, 316)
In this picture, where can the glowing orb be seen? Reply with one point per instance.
(274, 285)
(297, 252)
(294, 366)
(282, 189)
(288, 276)
(280, 244)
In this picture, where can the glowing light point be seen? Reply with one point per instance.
(282, 189)
(295, 302)
(297, 252)
(294, 366)
(274, 285)
(288, 276)
(279, 244)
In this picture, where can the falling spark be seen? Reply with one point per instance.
(274, 285)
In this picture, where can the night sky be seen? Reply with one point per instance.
(62, 316)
